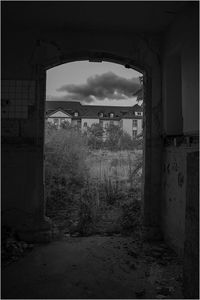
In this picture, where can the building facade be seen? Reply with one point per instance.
(129, 118)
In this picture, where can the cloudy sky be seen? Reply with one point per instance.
(93, 83)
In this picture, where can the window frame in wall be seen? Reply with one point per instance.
(135, 121)
(134, 133)
(101, 115)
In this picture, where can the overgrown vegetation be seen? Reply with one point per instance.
(88, 176)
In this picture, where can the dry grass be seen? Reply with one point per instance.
(117, 167)
(86, 184)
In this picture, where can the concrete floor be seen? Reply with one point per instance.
(108, 267)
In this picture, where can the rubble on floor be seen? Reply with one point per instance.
(96, 267)
(12, 248)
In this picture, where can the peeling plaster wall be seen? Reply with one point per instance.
(181, 144)
(19, 205)
(190, 86)
(191, 246)
(174, 195)
(140, 50)
(182, 42)
(24, 63)
(29, 63)
(180, 117)
(180, 210)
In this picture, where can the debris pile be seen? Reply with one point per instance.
(12, 248)
(160, 253)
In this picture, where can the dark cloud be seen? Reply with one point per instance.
(100, 87)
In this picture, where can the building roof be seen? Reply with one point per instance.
(91, 111)
(138, 108)
(52, 113)
(68, 106)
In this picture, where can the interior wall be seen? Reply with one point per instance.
(172, 84)
(180, 126)
(190, 84)
(29, 51)
(191, 245)
(182, 39)
(34, 53)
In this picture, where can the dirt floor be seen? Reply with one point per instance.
(104, 267)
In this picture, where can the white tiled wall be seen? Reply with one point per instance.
(16, 95)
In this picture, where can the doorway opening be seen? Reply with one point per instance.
(94, 148)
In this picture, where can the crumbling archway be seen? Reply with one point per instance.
(147, 63)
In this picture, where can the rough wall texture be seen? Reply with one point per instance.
(36, 50)
(180, 111)
(191, 255)
(32, 58)
(182, 40)
(174, 184)
(180, 182)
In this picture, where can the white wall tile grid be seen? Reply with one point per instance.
(16, 95)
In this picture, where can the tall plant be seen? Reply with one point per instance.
(65, 165)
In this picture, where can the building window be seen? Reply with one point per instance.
(134, 123)
(139, 113)
(56, 121)
(116, 123)
(101, 115)
(76, 114)
(134, 133)
(111, 115)
(63, 120)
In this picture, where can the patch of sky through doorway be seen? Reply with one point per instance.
(93, 83)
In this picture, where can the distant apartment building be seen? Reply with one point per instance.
(129, 118)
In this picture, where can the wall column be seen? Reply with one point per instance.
(152, 155)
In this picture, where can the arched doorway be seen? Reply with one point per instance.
(100, 123)
(152, 127)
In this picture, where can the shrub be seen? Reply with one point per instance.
(126, 142)
(86, 211)
(113, 136)
(131, 216)
(66, 125)
(79, 187)
(110, 191)
(95, 136)
(65, 166)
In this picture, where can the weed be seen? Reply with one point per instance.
(82, 184)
